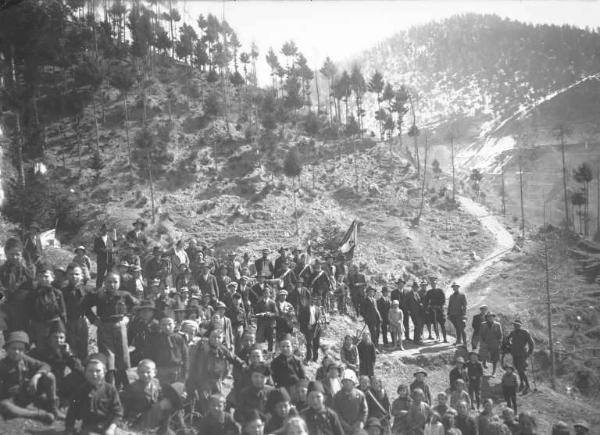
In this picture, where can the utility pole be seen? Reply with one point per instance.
(548, 303)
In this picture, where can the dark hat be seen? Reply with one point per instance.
(276, 396)
(97, 357)
(490, 314)
(175, 393)
(400, 280)
(146, 305)
(373, 422)
(328, 256)
(34, 226)
(420, 371)
(474, 353)
(141, 222)
(315, 386)
(582, 424)
(265, 251)
(455, 285)
(156, 249)
(236, 295)
(220, 306)
(295, 249)
(56, 327)
(17, 336)
(415, 284)
(261, 368)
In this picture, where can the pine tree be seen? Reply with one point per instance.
(292, 168)
(359, 87)
(560, 131)
(584, 175)
(329, 70)
(376, 85)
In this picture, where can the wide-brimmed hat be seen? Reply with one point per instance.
(220, 306)
(415, 284)
(17, 337)
(141, 222)
(282, 293)
(517, 322)
(455, 285)
(80, 248)
(420, 371)
(582, 424)
(349, 375)
(483, 307)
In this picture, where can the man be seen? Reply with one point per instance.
(104, 248)
(319, 418)
(350, 404)
(112, 306)
(141, 329)
(464, 422)
(264, 266)
(372, 316)
(521, 348)
(77, 328)
(425, 312)
(478, 319)
(266, 315)
(169, 350)
(357, 283)
(289, 281)
(320, 284)
(208, 283)
(414, 306)
(32, 247)
(459, 371)
(285, 315)
(491, 339)
(384, 304)
(192, 251)
(153, 265)
(457, 310)
(309, 320)
(279, 261)
(437, 300)
(136, 237)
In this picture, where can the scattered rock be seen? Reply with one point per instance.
(473, 233)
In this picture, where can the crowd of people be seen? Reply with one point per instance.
(217, 343)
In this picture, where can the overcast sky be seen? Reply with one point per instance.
(340, 29)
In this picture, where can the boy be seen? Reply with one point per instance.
(419, 382)
(169, 351)
(280, 409)
(510, 382)
(319, 418)
(24, 380)
(475, 373)
(74, 294)
(460, 395)
(141, 329)
(286, 366)
(350, 404)
(366, 355)
(217, 421)
(254, 397)
(148, 403)
(442, 407)
(97, 403)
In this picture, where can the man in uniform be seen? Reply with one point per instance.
(414, 306)
(320, 284)
(478, 319)
(457, 310)
(264, 266)
(491, 339)
(521, 348)
(437, 300)
(357, 283)
(371, 315)
(104, 248)
(425, 314)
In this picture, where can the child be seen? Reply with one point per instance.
(217, 421)
(141, 329)
(83, 261)
(475, 373)
(366, 355)
(169, 351)
(280, 409)
(24, 380)
(377, 400)
(285, 365)
(510, 383)
(396, 319)
(332, 383)
(459, 394)
(419, 382)
(442, 407)
(349, 353)
(434, 426)
(97, 403)
(148, 404)
(400, 407)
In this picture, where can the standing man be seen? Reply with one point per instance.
(136, 237)
(384, 304)
(32, 247)
(264, 266)
(491, 340)
(104, 248)
(437, 301)
(521, 348)
(309, 320)
(208, 283)
(457, 310)
(414, 308)
(266, 314)
(478, 319)
(77, 328)
(372, 316)
(280, 260)
(425, 313)
(357, 283)
(319, 284)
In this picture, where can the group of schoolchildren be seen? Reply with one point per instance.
(194, 327)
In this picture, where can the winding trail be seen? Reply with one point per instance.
(504, 243)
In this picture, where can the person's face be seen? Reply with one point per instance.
(250, 340)
(488, 405)
(363, 383)
(516, 327)
(215, 338)
(112, 283)
(347, 385)
(46, 278)
(75, 276)
(377, 385)
(216, 319)
(316, 400)
(282, 409)
(58, 339)
(462, 408)
(14, 255)
(256, 356)
(455, 289)
(347, 341)
(286, 347)
(15, 351)
(442, 399)
(146, 372)
(167, 325)
(189, 330)
(217, 406)
(403, 392)
(420, 377)
(94, 373)
(146, 314)
(373, 430)
(204, 270)
(255, 427)
(265, 255)
(527, 425)
(367, 338)
(333, 372)
(508, 415)
(258, 379)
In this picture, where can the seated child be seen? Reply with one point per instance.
(24, 380)
(148, 404)
(96, 403)
(216, 420)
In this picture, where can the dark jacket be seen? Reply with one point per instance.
(466, 424)
(383, 306)
(97, 408)
(303, 321)
(324, 422)
(286, 370)
(264, 267)
(457, 304)
(370, 312)
(169, 350)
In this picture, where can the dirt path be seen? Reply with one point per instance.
(504, 243)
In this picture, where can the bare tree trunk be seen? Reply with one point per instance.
(151, 184)
(423, 186)
(295, 206)
(598, 200)
(318, 94)
(522, 207)
(96, 124)
(355, 166)
(127, 133)
(171, 26)
(453, 170)
(564, 170)
(549, 319)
